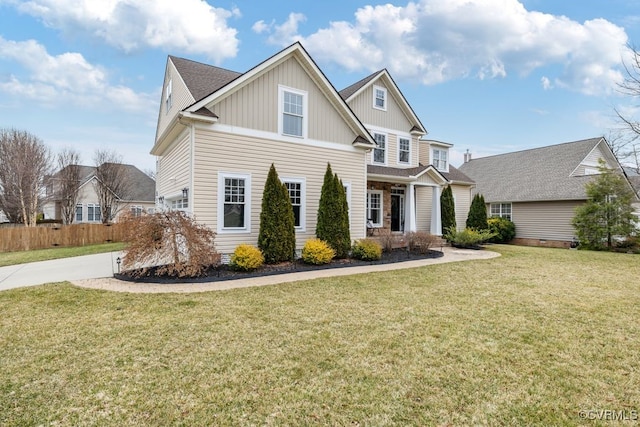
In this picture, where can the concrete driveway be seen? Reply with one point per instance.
(59, 270)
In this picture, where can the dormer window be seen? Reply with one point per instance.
(167, 96)
(439, 159)
(380, 98)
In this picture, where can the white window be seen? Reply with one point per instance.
(78, 212)
(591, 171)
(136, 210)
(93, 212)
(234, 202)
(502, 210)
(380, 152)
(167, 95)
(296, 189)
(404, 150)
(379, 98)
(374, 208)
(440, 160)
(179, 204)
(292, 119)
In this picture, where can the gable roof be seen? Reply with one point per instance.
(538, 174)
(202, 79)
(355, 89)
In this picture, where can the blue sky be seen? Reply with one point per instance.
(491, 76)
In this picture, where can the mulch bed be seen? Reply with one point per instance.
(224, 272)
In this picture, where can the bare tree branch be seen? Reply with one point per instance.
(66, 183)
(24, 163)
(112, 184)
(625, 145)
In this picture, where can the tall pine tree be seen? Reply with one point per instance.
(447, 210)
(277, 237)
(477, 218)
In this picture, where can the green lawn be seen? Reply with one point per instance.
(529, 338)
(21, 257)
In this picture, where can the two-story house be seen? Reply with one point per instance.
(219, 131)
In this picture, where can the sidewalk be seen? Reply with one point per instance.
(111, 284)
(58, 270)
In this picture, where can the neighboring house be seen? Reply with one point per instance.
(141, 197)
(634, 179)
(539, 189)
(219, 131)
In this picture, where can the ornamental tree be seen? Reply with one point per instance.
(447, 209)
(333, 215)
(477, 218)
(277, 236)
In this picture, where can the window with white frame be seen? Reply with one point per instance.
(79, 212)
(136, 211)
(93, 212)
(234, 207)
(292, 119)
(179, 204)
(404, 150)
(380, 152)
(380, 98)
(296, 189)
(167, 95)
(440, 159)
(374, 207)
(502, 210)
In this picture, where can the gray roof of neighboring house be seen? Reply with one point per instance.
(635, 182)
(202, 79)
(539, 174)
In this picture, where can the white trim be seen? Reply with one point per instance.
(501, 214)
(305, 110)
(385, 98)
(347, 185)
(247, 203)
(168, 96)
(236, 130)
(368, 207)
(303, 200)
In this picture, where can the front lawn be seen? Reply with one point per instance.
(21, 257)
(529, 338)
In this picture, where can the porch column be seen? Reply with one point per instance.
(436, 221)
(410, 209)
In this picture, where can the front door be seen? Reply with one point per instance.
(397, 210)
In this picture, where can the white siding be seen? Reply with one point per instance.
(181, 98)
(424, 196)
(174, 167)
(226, 152)
(462, 197)
(544, 220)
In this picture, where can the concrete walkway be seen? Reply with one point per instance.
(58, 270)
(111, 284)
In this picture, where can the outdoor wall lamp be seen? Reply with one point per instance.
(185, 193)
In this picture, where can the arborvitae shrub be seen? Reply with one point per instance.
(277, 237)
(333, 215)
(317, 252)
(448, 209)
(246, 258)
(367, 250)
(477, 218)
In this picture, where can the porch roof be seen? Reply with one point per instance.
(404, 174)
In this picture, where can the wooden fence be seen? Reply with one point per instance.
(42, 237)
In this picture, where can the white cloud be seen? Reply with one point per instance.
(66, 78)
(546, 83)
(260, 27)
(191, 26)
(433, 41)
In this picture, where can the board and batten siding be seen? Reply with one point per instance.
(180, 98)
(392, 118)
(217, 151)
(174, 167)
(255, 106)
(544, 220)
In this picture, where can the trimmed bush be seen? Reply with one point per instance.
(503, 229)
(448, 209)
(367, 250)
(317, 252)
(277, 237)
(333, 215)
(477, 218)
(421, 241)
(246, 258)
(468, 238)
